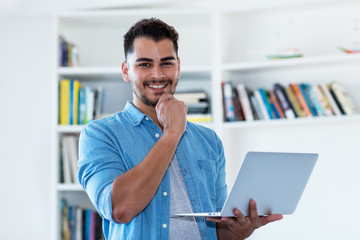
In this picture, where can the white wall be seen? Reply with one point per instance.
(25, 127)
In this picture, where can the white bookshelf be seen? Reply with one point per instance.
(213, 47)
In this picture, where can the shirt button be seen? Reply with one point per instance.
(157, 135)
(165, 194)
(164, 225)
(147, 118)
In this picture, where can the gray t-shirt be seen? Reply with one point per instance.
(181, 228)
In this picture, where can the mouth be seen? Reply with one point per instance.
(157, 86)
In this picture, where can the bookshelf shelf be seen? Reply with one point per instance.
(69, 128)
(290, 122)
(74, 187)
(284, 63)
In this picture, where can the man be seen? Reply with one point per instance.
(147, 162)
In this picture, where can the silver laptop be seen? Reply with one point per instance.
(275, 180)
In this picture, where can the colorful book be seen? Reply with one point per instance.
(322, 100)
(239, 113)
(313, 99)
(299, 96)
(308, 100)
(276, 105)
(294, 102)
(283, 101)
(261, 104)
(267, 104)
(245, 102)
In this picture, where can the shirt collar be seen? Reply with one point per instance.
(134, 114)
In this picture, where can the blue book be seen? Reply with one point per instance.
(267, 103)
(307, 99)
(314, 100)
(87, 224)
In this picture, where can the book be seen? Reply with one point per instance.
(257, 109)
(66, 159)
(265, 99)
(239, 114)
(261, 104)
(65, 227)
(90, 101)
(308, 100)
(315, 102)
(343, 98)
(275, 104)
(299, 96)
(322, 100)
(228, 101)
(284, 101)
(325, 89)
(294, 102)
(64, 102)
(245, 102)
(75, 102)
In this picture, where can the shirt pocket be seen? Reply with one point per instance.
(208, 171)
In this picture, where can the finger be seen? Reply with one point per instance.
(240, 217)
(271, 218)
(253, 211)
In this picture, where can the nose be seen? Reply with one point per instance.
(157, 73)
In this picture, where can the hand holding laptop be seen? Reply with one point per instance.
(241, 227)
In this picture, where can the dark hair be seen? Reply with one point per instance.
(152, 28)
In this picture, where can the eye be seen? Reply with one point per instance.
(167, 64)
(144, 65)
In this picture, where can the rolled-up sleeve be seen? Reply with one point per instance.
(99, 164)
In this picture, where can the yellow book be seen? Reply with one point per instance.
(294, 102)
(64, 102)
(76, 102)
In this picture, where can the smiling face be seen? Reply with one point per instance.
(153, 69)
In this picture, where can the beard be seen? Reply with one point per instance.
(143, 97)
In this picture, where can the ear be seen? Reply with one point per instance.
(125, 72)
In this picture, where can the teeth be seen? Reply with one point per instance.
(157, 86)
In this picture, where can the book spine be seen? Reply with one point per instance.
(245, 103)
(261, 105)
(294, 102)
(313, 99)
(325, 89)
(71, 102)
(343, 99)
(276, 104)
(308, 101)
(301, 99)
(283, 101)
(65, 102)
(267, 104)
(75, 106)
(256, 105)
(322, 100)
(228, 102)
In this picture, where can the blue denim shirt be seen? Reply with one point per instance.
(112, 146)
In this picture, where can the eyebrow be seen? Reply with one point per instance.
(151, 60)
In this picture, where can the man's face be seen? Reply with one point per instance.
(153, 69)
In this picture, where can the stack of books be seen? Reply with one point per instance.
(78, 105)
(198, 105)
(68, 52)
(80, 223)
(295, 100)
(69, 159)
